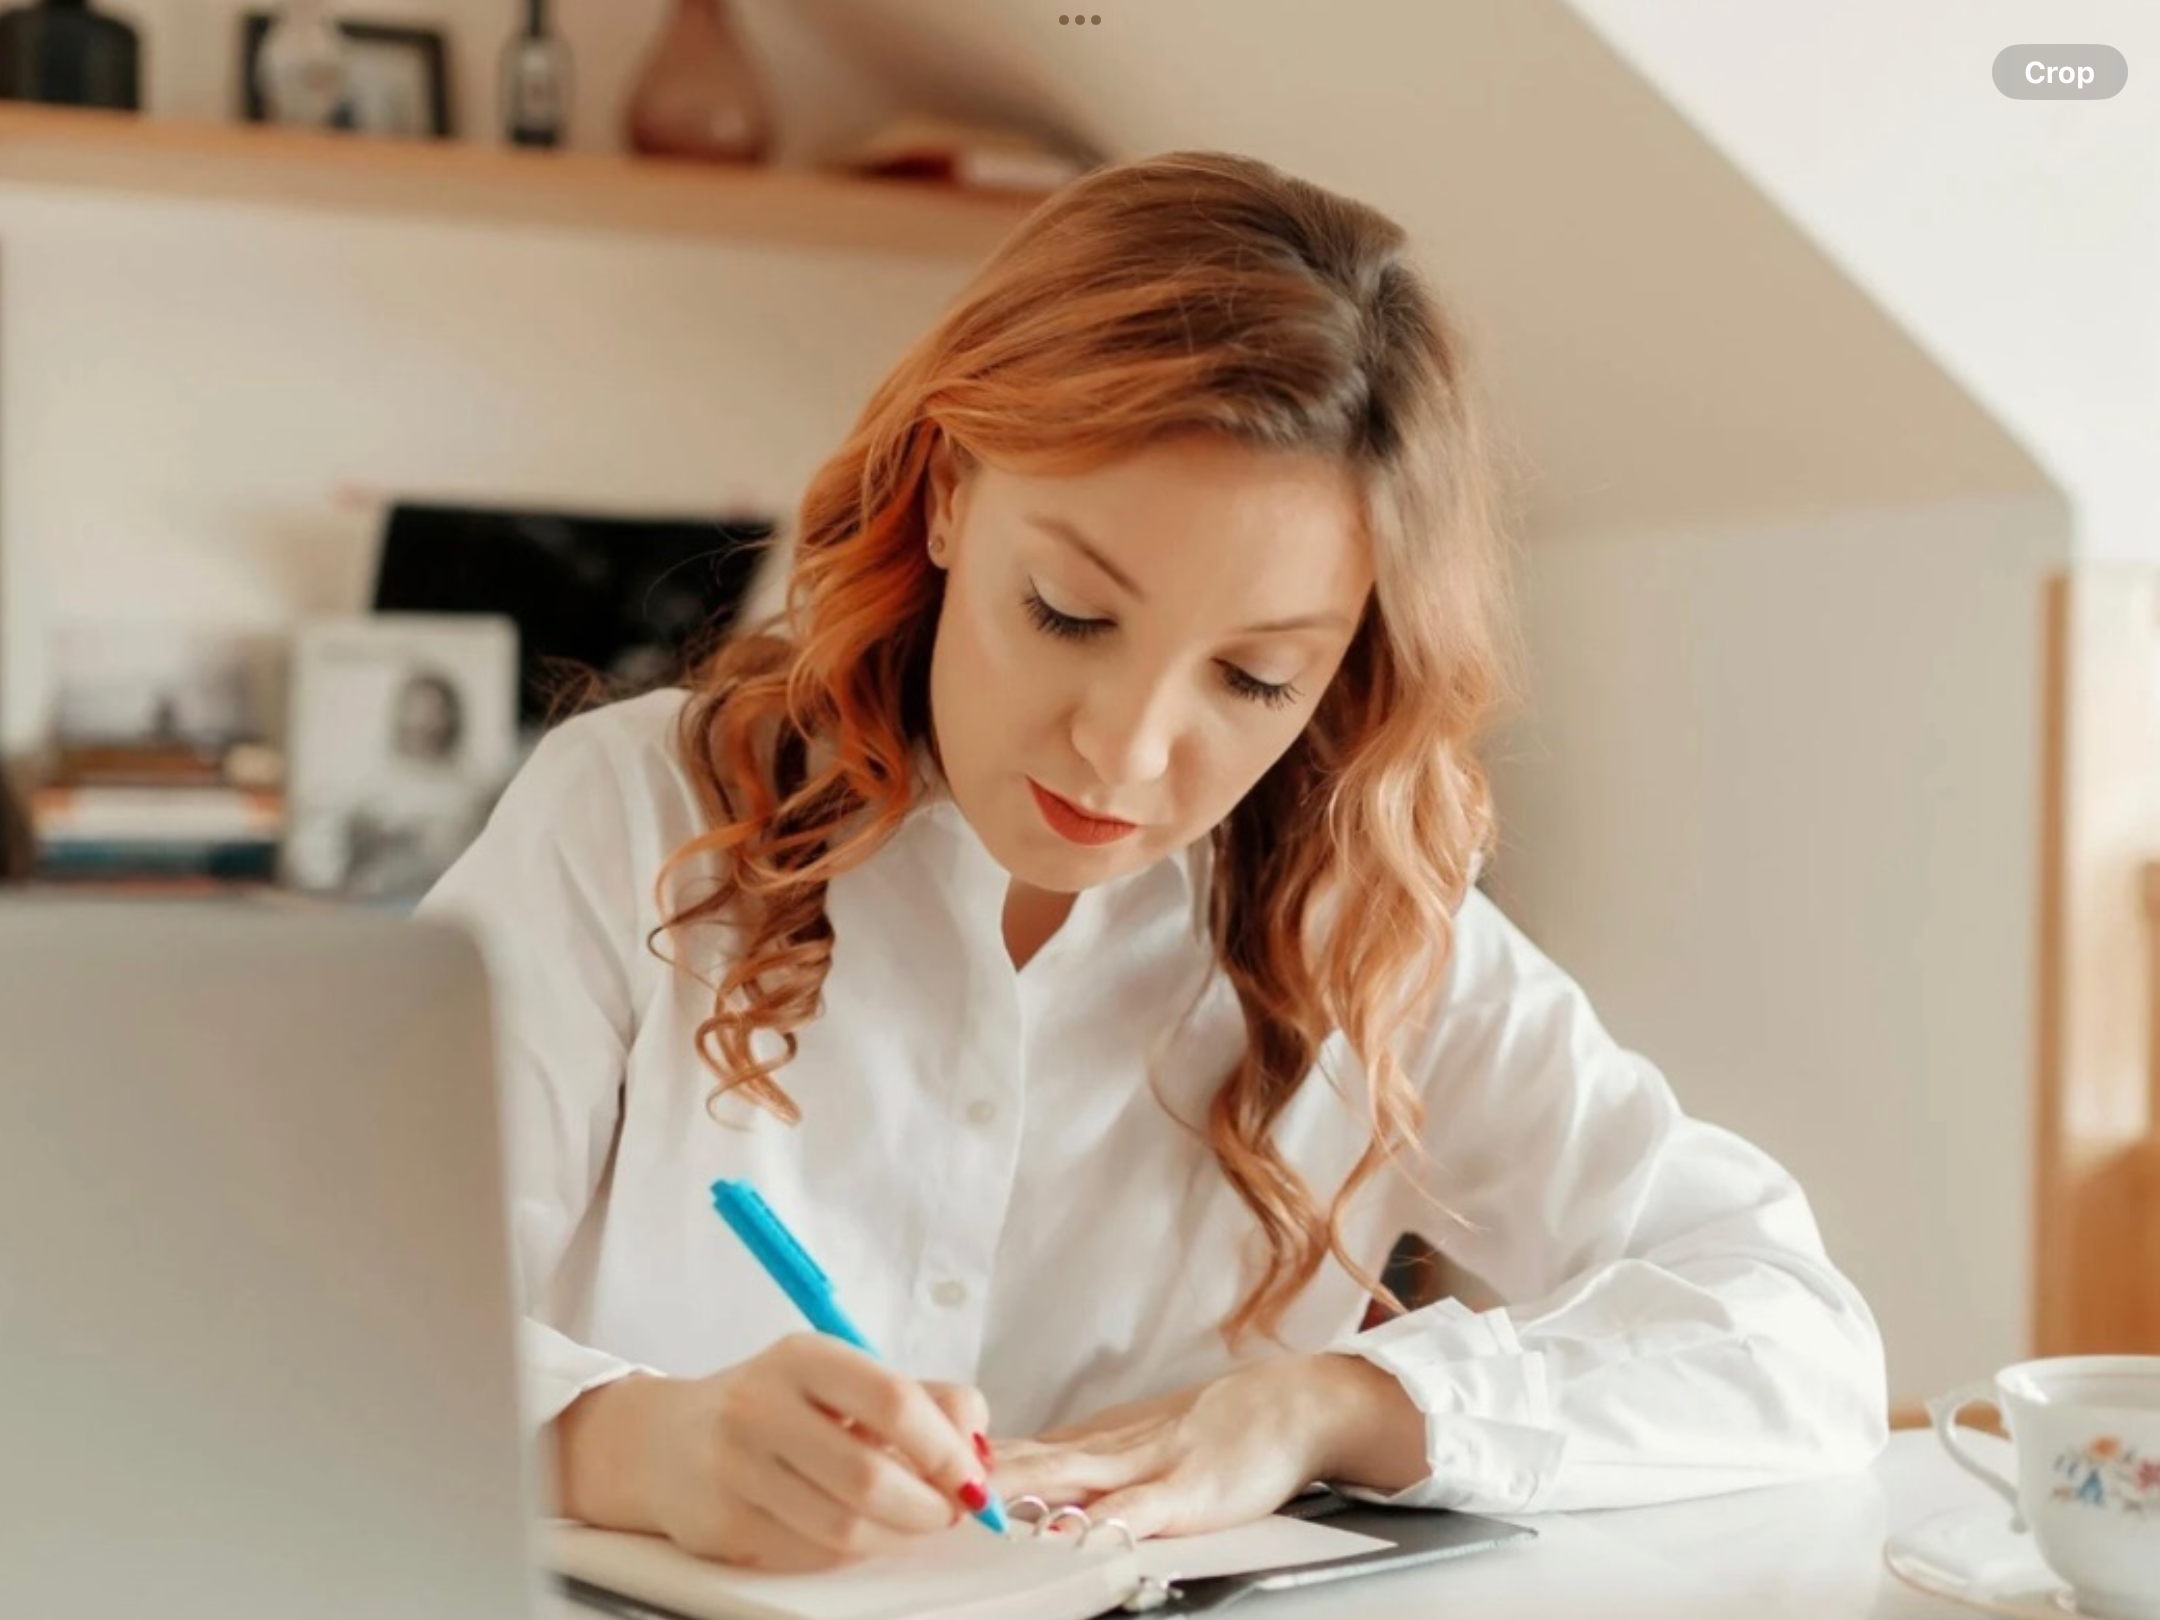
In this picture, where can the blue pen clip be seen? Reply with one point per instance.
(789, 1264)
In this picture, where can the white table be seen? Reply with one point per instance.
(1797, 1552)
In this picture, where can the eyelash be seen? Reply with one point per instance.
(1063, 625)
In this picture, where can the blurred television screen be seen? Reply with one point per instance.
(622, 596)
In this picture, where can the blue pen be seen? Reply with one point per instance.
(774, 1247)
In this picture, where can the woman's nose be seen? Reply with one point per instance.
(1125, 730)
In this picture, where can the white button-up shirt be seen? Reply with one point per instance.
(988, 1167)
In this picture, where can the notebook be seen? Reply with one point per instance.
(968, 1573)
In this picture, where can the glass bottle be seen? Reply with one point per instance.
(699, 94)
(300, 68)
(536, 83)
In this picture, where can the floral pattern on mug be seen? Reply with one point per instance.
(2104, 1473)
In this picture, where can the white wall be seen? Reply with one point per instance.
(2018, 241)
(184, 386)
(1774, 802)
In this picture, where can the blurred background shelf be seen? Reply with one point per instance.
(116, 152)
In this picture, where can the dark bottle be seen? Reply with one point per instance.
(62, 52)
(536, 83)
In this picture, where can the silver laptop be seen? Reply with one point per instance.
(257, 1353)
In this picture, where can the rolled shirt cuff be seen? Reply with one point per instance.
(1489, 1444)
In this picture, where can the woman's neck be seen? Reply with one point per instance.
(1032, 917)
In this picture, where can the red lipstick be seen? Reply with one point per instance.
(1073, 824)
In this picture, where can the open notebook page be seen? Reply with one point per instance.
(965, 1574)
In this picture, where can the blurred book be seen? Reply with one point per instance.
(124, 812)
(126, 829)
(157, 771)
(973, 156)
(142, 864)
(115, 764)
(148, 764)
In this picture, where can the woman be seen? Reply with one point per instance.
(1068, 924)
(423, 802)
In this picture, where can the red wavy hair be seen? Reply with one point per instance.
(1192, 292)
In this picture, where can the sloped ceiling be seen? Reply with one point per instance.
(1664, 346)
(2019, 241)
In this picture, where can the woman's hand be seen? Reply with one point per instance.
(809, 1454)
(1224, 1452)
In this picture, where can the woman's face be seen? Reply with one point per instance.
(426, 723)
(1140, 642)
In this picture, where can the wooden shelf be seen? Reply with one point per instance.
(350, 174)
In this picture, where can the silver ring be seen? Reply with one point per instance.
(1042, 1508)
(1132, 1542)
(1045, 1526)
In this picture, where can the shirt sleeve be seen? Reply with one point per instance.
(1672, 1325)
(551, 890)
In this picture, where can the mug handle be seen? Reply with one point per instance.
(1944, 1412)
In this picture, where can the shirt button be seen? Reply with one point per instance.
(950, 1293)
(981, 1111)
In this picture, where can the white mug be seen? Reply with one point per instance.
(2087, 1432)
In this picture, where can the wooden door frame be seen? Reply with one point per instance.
(2096, 1115)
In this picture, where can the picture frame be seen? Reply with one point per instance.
(400, 78)
(400, 734)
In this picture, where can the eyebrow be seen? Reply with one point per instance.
(1060, 529)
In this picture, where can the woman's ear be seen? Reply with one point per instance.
(942, 513)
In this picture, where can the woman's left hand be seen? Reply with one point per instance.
(1205, 1458)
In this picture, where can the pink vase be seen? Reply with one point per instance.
(699, 94)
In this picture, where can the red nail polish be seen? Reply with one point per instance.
(982, 1450)
(973, 1494)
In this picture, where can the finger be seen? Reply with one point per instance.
(1132, 1414)
(1081, 1473)
(814, 1513)
(1015, 1446)
(1066, 1436)
(860, 1476)
(1113, 1437)
(1157, 1508)
(1094, 1437)
(1071, 1432)
(970, 1414)
(894, 1409)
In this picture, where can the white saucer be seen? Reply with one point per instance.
(1972, 1556)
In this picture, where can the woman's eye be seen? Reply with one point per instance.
(1251, 686)
(1050, 619)
(1074, 628)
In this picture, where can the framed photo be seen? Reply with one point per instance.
(401, 733)
(397, 78)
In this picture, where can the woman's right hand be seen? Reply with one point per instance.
(808, 1455)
